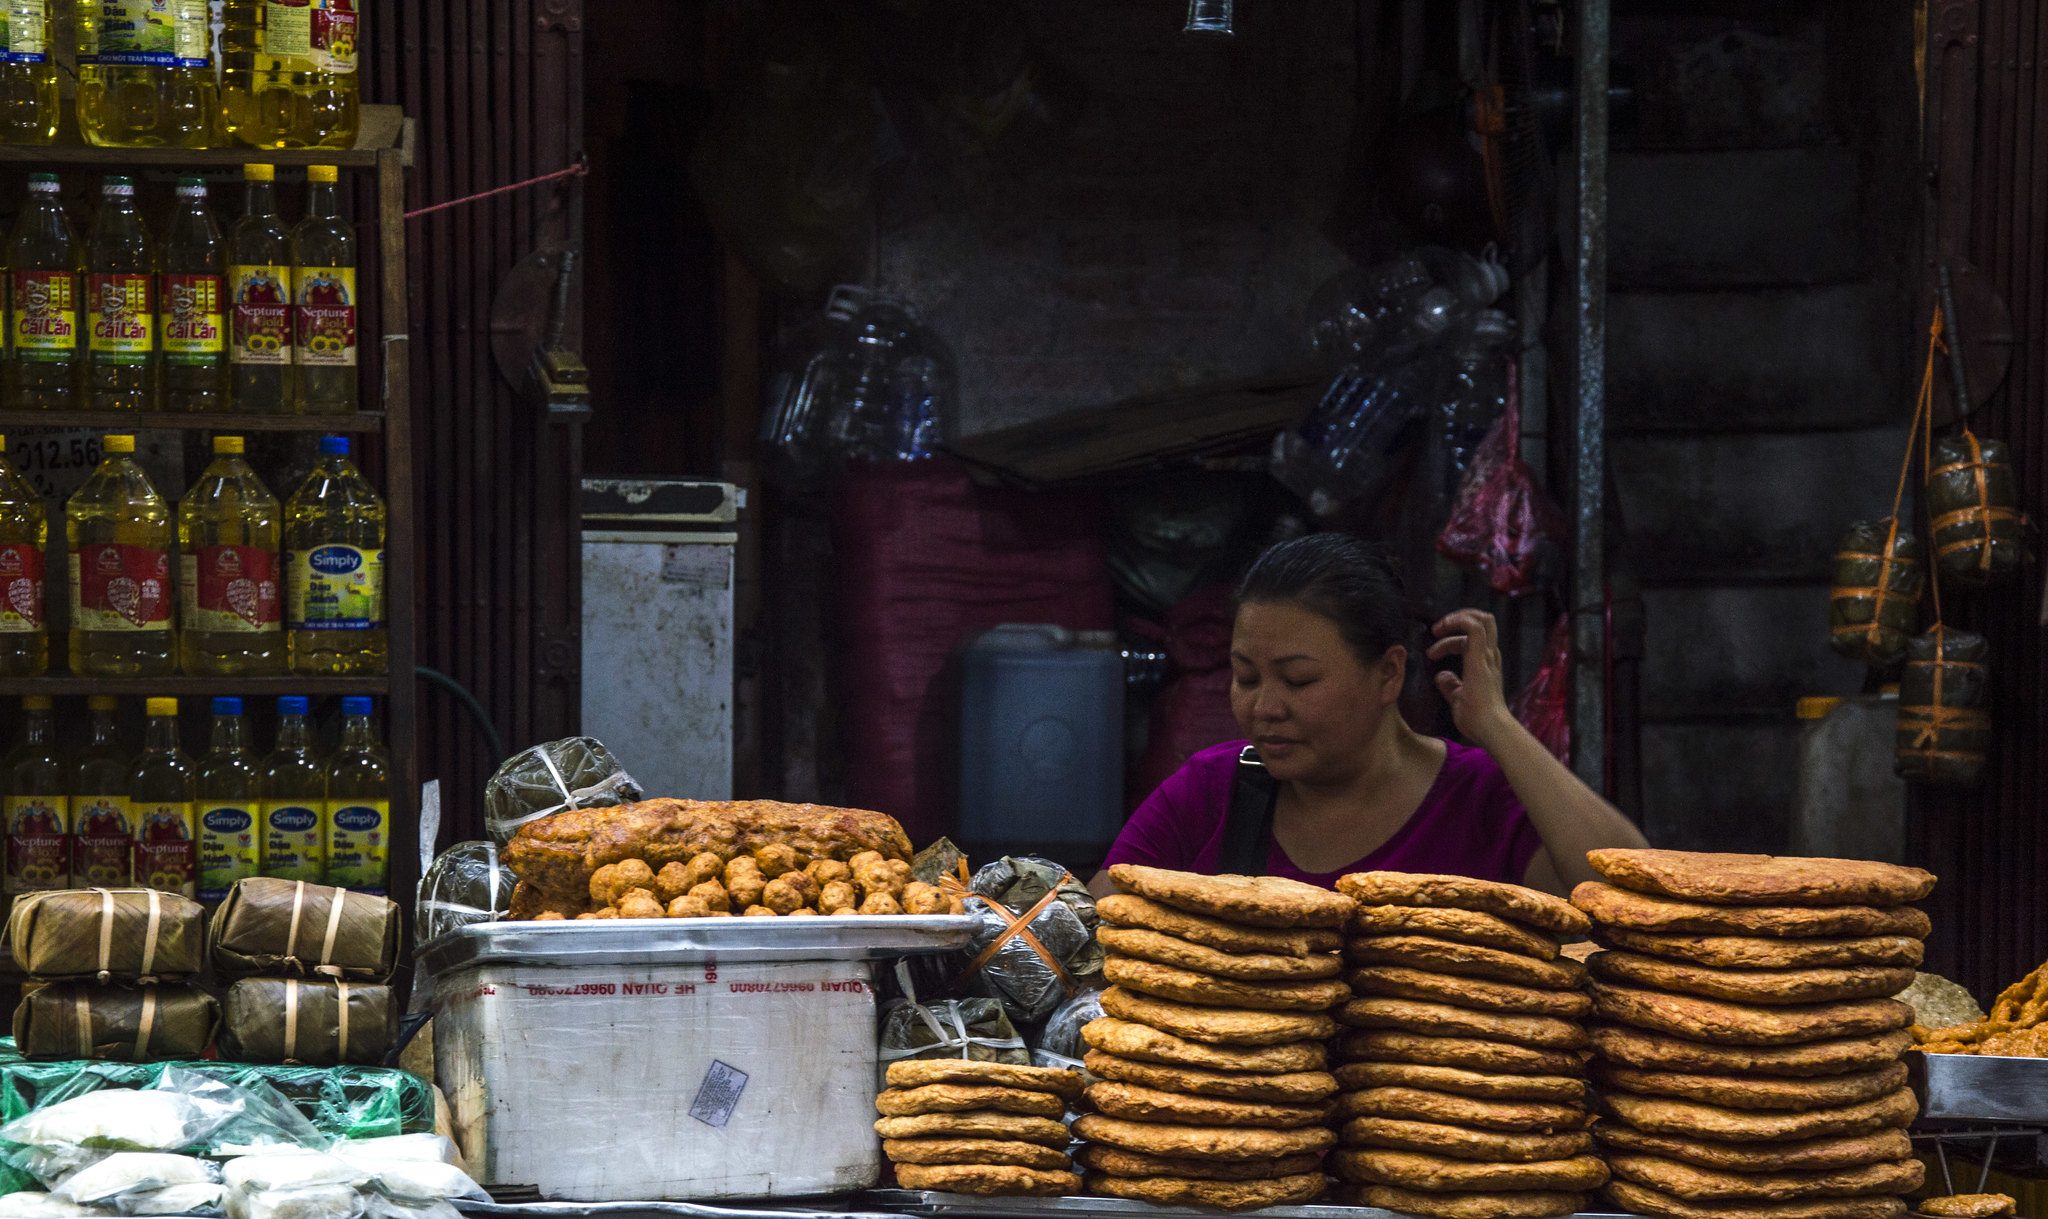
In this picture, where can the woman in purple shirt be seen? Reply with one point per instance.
(1338, 781)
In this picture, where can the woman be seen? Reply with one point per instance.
(1335, 781)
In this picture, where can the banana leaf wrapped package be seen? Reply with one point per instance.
(271, 926)
(133, 1024)
(1035, 944)
(1973, 506)
(1944, 730)
(467, 883)
(108, 935)
(315, 1022)
(950, 1028)
(1875, 606)
(578, 772)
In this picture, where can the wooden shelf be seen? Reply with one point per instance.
(167, 421)
(382, 129)
(60, 684)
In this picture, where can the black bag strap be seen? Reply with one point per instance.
(1248, 825)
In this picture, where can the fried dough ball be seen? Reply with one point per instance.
(689, 907)
(777, 858)
(623, 875)
(714, 897)
(746, 889)
(604, 884)
(673, 881)
(921, 898)
(881, 903)
(760, 912)
(703, 866)
(956, 905)
(721, 914)
(857, 862)
(781, 896)
(825, 871)
(607, 912)
(802, 911)
(639, 903)
(550, 916)
(878, 880)
(586, 914)
(838, 896)
(805, 884)
(900, 869)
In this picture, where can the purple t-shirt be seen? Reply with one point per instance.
(1470, 823)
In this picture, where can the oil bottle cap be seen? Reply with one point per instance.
(117, 184)
(259, 173)
(334, 446)
(1817, 708)
(192, 187)
(102, 702)
(37, 702)
(355, 704)
(323, 174)
(162, 706)
(227, 705)
(292, 704)
(229, 444)
(43, 182)
(117, 444)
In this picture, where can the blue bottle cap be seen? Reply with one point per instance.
(227, 706)
(292, 704)
(334, 446)
(355, 704)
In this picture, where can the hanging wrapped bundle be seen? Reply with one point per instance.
(1973, 505)
(1879, 574)
(1943, 727)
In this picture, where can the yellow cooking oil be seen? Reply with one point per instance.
(34, 785)
(24, 550)
(103, 840)
(146, 74)
(45, 287)
(358, 804)
(288, 72)
(294, 800)
(260, 299)
(193, 319)
(29, 106)
(324, 279)
(120, 533)
(334, 569)
(230, 604)
(162, 791)
(230, 784)
(122, 356)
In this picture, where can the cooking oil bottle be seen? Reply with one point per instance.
(24, 548)
(294, 800)
(230, 612)
(145, 73)
(193, 285)
(289, 73)
(161, 791)
(260, 289)
(44, 262)
(358, 804)
(120, 304)
(324, 279)
(120, 534)
(229, 789)
(34, 783)
(29, 107)
(103, 839)
(334, 565)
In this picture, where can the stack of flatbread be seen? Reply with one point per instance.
(1463, 1081)
(1214, 1088)
(1748, 1052)
(989, 1128)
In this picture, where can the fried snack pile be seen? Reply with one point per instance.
(1747, 1050)
(1213, 1087)
(1464, 1092)
(2017, 1026)
(963, 1126)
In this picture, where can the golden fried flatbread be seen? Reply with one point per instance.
(1721, 1022)
(1257, 901)
(1463, 1143)
(1141, 1104)
(1290, 1088)
(1475, 993)
(1130, 910)
(917, 1072)
(1217, 1025)
(1469, 960)
(1659, 1052)
(1469, 1053)
(981, 1125)
(1751, 1092)
(1203, 1142)
(1770, 987)
(1968, 1206)
(1521, 1204)
(1445, 1108)
(1459, 926)
(1157, 946)
(1759, 952)
(1186, 986)
(1223, 1195)
(1612, 907)
(1128, 1039)
(988, 1180)
(1642, 1200)
(1443, 1019)
(1724, 879)
(1690, 1119)
(1561, 1089)
(1516, 903)
(1443, 1174)
(964, 1098)
(975, 1151)
(1804, 1155)
(1117, 1162)
(1696, 1184)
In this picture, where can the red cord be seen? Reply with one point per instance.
(579, 169)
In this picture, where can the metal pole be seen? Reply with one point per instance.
(1589, 377)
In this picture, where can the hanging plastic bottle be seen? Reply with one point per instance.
(120, 304)
(34, 783)
(145, 73)
(1353, 439)
(324, 303)
(230, 534)
(119, 529)
(24, 554)
(161, 792)
(334, 543)
(260, 291)
(1380, 315)
(190, 297)
(229, 782)
(289, 72)
(103, 838)
(358, 805)
(294, 793)
(29, 105)
(45, 263)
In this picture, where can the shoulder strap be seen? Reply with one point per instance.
(1248, 825)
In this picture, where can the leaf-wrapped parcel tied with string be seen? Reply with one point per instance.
(1875, 606)
(975, 1028)
(1973, 506)
(108, 935)
(578, 772)
(315, 1022)
(126, 1024)
(1943, 727)
(1034, 946)
(270, 926)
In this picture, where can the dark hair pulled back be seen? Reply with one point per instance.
(1346, 579)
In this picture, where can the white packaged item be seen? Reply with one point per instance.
(152, 1120)
(28, 1204)
(376, 1206)
(203, 1199)
(429, 1147)
(127, 1172)
(306, 1202)
(288, 1169)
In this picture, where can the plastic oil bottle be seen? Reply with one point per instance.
(324, 280)
(145, 73)
(34, 783)
(358, 804)
(229, 793)
(294, 800)
(230, 609)
(24, 550)
(334, 566)
(289, 73)
(260, 292)
(103, 839)
(29, 106)
(162, 790)
(45, 262)
(190, 293)
(120, 534)
(120, 304)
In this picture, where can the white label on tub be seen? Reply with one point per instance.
(718, 1095)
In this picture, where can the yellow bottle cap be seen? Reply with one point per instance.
(322, 173)
(102, 702)
(1817, 708)
(259, 173)
(163, 706)
(37, 702)
(117, 444)
(3, 444)
(229, 444)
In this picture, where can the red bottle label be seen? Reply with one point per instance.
(326, 315)
(194, 332)
(118, 587)
(121, 309)
(45, 314)
(231, 588)
(21, 588)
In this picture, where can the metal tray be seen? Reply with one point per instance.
(1979, 1088)
(671, 1210)
(930, 1202)
(689, 941)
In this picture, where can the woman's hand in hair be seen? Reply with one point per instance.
(1478, 702)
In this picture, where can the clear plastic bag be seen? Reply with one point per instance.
(577, 772)
(32, 1204)
(414, 1168)
(1059, 1042)
(131, 1172)
(171, 1200)
(1011, 968)
(305, 1202)
(57, 1141)
(467, 884)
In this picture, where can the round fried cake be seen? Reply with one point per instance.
(1203, 1142)
(1521, 1204)
(1287, 1088)
(1690, 1119)
(1446, 1108)
(1186, 986)
(1642, 1200)
(1130, 910)
(1469, 960)
(1804, 1155)
(1759, 952)
(1128, 1039)
(1217, 1025)
(1223, 1195)
(1613, 907)
(1724, 879)
(981, 1125)
(1459, 926)
(1463, 1142)
(1164, 949)
(1117, 1162)
(1515, 903)
(1140, 1104)
(975, 1151)
(1968, 1206)
(1256, 901)
(1467, 1053)
(1561, 1089)
(1695, 1184)
(988, 1180)
(917, 1072)
(1659, 1052)
(1749, 1092)
(1475, 993)
(1724, 1023)
(1770, 987)
(964, 1098)
(1443, 1019)
(1442, 1174)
